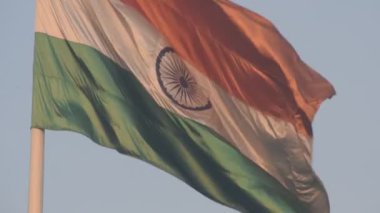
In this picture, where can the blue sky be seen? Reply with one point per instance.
(340, 39)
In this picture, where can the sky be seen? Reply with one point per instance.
(339, 38)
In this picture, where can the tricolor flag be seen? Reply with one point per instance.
(205, 90)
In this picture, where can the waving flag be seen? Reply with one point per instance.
(205, 90)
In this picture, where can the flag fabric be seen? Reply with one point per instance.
(205, 90)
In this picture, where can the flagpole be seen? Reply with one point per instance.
(36, 171)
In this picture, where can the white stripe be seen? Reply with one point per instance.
(123, 35)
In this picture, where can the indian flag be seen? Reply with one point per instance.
(205, 90)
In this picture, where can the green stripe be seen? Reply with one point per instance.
(79, 89)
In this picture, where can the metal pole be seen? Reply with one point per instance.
(36, 178)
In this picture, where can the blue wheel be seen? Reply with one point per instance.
(177, 82)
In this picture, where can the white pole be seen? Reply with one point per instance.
(36, 178)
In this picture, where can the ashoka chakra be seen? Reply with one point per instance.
(177, 82)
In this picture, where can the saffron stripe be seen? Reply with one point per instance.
(243, 53)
